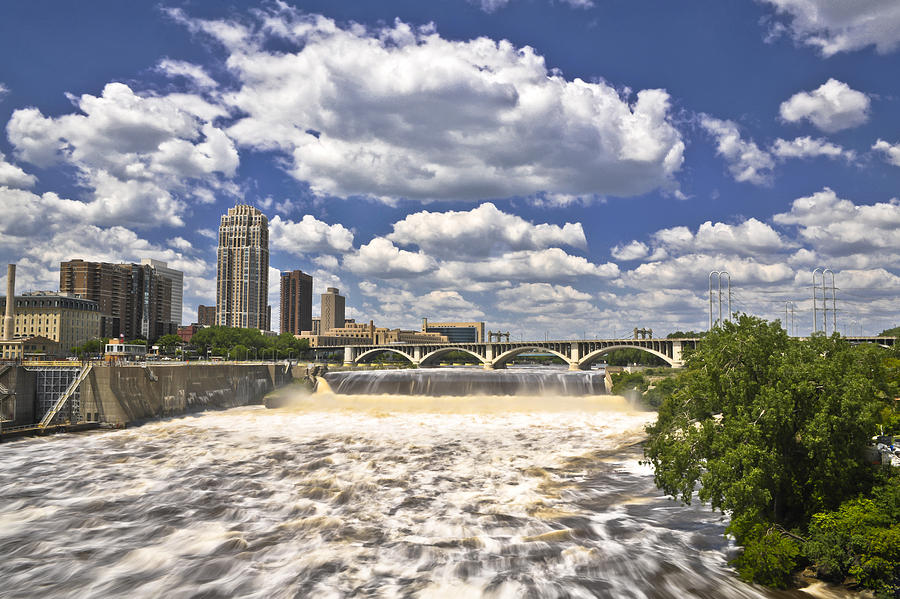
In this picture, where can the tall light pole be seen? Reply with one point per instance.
(790, 304)
(824, 272)
(718, 274)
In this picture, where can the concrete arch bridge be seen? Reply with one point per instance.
(579, 355)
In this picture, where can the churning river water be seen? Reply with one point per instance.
(359, 496)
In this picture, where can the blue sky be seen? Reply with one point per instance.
(560, 167)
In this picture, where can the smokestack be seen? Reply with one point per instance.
(9, 321)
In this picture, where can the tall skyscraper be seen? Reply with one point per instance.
(296, 302)
(242, 276)
(177, 279)
(135, 299)
(332, 310)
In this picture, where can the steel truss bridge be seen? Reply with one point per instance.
(579, 355)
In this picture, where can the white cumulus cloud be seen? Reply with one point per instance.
(544, 299)
(13, 176)
(891, 151)
(309, 235)
(838, 227)
(831, 107)
(481, 231)
(135, 152)
(552, 264)
(401, 112)
(835, 26)
(193, 72)
(746, 161)
(381, 258)
(751, 237)
(634, 250)
(809, 147)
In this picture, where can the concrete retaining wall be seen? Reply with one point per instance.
(19, 405)
(123, 394)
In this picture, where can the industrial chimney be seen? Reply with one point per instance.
(9, 321)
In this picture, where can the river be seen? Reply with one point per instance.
(359, 496)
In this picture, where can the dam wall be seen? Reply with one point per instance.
(17, 395)
(123, 394)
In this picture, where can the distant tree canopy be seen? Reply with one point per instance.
(168, 342)
(94, 346)
(222, 341)
(894, 332)
(773, 430)
(686, 335)
(628, 356)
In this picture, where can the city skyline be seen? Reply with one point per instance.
(573, 166)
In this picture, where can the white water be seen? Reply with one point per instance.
(358, 496)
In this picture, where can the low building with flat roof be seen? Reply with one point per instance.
(368, 334)
(456, 332)
(29, 348)
(116, 350)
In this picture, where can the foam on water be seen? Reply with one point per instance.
(366, 496)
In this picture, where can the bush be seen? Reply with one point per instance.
(627, 381)
(860, 539)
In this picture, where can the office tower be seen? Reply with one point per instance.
(177, 279)
(296, 302)
(332, 310)
(206, 315)
(242, 274)
(149, 308)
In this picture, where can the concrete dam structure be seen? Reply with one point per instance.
(120, 395)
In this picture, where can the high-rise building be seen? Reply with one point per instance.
(206, 315)
(332, 310)
(135, 299)
(149, 313)
(103, 282)
(296, 302)
(242, 274)
(177, 279)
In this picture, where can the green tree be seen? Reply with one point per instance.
(894, 332)
(686, 335)
(628, 381)
(167, 343)
(861, 539)
(94, 346)
(628, 356)
(772, 429)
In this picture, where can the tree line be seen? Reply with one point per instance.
(226, 342)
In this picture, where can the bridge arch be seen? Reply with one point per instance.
(586, 361)
(361, 357)
(512, 353)
(432, 358)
